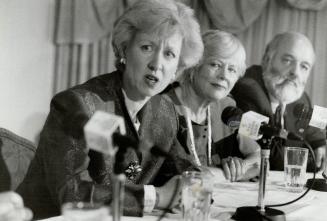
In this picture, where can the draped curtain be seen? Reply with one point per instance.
(83, 33)
(83, 39)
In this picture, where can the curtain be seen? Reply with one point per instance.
(76, 63)
(81, 53)
(233, 15)
(308, 4)
(83, 39)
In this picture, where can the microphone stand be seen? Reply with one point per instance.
(260, 212)
(118, 179)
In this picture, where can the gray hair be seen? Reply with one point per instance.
(163, 18)
(272, 46)
(224, 45)
(221, 44)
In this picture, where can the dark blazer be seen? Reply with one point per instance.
(65, 170)
(250, 93)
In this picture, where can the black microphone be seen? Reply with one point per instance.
(232, 116)
(124, 142)
(75, 124)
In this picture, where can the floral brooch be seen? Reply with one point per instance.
(133, 169)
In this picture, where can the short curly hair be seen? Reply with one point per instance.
(164, 18)
(219, 44)
(223, 44)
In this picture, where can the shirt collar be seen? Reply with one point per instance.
(133, 107)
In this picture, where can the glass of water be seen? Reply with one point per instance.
(295, 166)
(196, 196)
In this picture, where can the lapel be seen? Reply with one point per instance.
(149, 130)
(263, 86)
(122, 109)
(155, 127)
(117, 106)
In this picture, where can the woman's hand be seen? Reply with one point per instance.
(12, 208)
(236, 169)
(169, 195)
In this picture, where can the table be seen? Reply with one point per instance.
(228, 196)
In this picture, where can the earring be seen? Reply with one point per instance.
(122, 60)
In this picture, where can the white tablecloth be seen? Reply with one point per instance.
(228, 196)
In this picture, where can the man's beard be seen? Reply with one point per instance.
(283, 89)
(288, 93)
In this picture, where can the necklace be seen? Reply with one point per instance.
(191, 135)
(187, 115)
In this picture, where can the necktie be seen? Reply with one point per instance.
(278, 117)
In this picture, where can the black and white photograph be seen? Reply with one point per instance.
(163, 110)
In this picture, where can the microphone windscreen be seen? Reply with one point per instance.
(231, 116)
(99, 129)
(123, 141)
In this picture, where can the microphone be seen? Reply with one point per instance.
(252, 124)
(99, 129)
(231, 116)
(101, 134)
(317, 116)
(124, 141)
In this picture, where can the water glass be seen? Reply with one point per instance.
(295, 166)
(196, 196)
(82, 211)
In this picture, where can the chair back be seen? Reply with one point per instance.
(17, 154)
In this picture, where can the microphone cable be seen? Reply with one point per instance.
(310, 186)
(166, 210)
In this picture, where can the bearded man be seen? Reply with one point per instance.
(278, 84)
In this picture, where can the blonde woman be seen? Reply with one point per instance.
(153, 40)
(196, 97)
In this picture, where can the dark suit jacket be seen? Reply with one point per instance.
(65, 170)
(250, 94)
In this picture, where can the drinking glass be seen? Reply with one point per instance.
(196, 196)
(295, 166)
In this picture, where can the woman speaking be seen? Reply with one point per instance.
(153, 41)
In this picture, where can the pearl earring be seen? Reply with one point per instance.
(123, 60)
